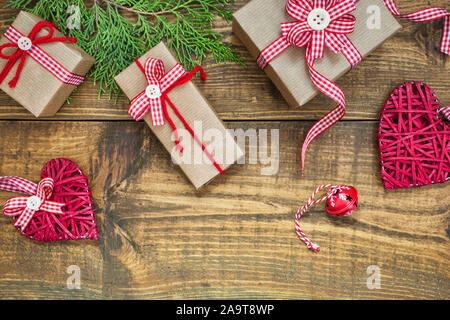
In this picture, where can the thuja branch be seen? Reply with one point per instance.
(114, 32)
(122, 7)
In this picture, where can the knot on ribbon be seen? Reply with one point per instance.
(26, 207)
(26, 45)
(320, 23)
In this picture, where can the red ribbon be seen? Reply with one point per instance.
(154, 98)
(29, 45)
(26, 207)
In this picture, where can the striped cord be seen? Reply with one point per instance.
(312, 246)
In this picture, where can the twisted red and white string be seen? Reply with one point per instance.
(312, 246)
(334, 36)
(20, 206)
(35, 52)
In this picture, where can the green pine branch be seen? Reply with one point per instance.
(115, 32)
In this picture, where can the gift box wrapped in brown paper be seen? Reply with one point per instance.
(257, 24)
(38, 90)
(196, 111)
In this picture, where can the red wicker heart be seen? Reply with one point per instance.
(70, 187)
(414, 140)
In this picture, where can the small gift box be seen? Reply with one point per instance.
(39, 66)
(162, 94)
(259, 23)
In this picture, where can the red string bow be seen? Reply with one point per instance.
(24, 44)
(153, 98)
(26, 207)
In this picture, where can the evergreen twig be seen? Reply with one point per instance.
(115, 32)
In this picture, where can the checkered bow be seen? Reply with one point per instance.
(300, 33)
(26, 207)
(334, 36)
(152, 99)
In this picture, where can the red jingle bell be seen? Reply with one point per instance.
(342, 201)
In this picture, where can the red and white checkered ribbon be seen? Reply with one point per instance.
(156, 76)
(26, 207)
(334, 36)
(445, 112)
(35, 52)
(299, 33)
(424, 15)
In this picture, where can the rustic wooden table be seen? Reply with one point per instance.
(235, 239)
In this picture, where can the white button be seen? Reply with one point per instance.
(24, 43)
(34, 203)
(318, 19)
(153, 91)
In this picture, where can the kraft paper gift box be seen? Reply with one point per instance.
(257, 25)
(194, 108)
(38, 90)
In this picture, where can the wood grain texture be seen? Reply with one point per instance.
(247, 94)
(235, 238)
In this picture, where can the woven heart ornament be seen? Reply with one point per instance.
(414, 138)
(58, 208)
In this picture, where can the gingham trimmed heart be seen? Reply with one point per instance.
(59, 207)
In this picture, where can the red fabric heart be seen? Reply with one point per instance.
(414, 140)
(70, 187)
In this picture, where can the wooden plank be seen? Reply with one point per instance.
(239, 93)
(233, 239)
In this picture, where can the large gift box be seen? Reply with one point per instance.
(50, 70)
(258, 24)
(190, 110)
